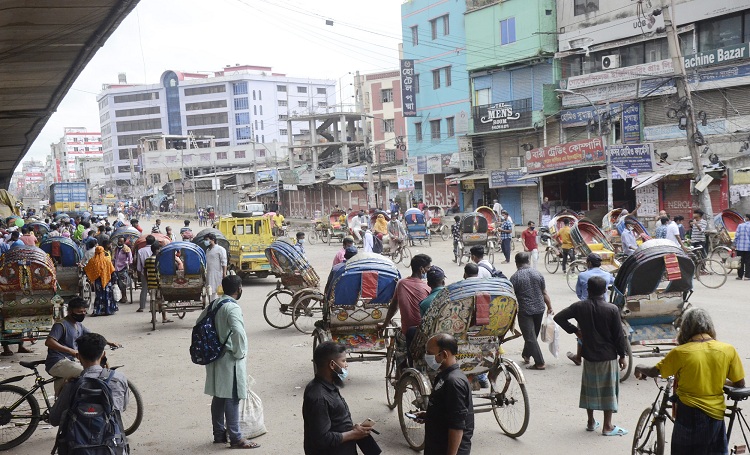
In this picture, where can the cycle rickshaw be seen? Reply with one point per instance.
(335, 228)
(40, 230)
(29, 303)
(721, 244)
(66, 255)
(416, 226)
(437, 227)
(130, 235)
(652, 289)
(493, 224)
(479, 313)
(474, 231)
(183, 286)
(356, 303)
(588, 238)
(297, 298)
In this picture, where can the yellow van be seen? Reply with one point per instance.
(248, 238)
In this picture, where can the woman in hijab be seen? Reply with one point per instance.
(89, 252)
(99, 270)
(381, 226)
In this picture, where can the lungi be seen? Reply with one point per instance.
(600, 385)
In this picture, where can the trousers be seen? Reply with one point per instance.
(530, 325)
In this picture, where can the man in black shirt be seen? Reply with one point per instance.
(449, 419)
(603, 341)
(328, 425)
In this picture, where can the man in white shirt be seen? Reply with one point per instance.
(673, 233)
(497, 207)
(367, 240)
(477, 256)
(356, 226)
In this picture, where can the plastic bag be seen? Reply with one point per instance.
(554, 344)
(116, 293)
(252, 423)
(548, 328)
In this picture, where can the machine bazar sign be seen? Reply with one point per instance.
(570, 154)
(500, 116)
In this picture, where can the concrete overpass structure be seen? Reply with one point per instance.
(44, 46)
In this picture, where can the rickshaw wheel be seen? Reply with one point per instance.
(390, 375)
(410, 396)
(711, 273)
(326, 236)
(277, 310)
(307, 311)
(510, 399)
(134, 410)
(648, 440)
(491, 256)
(625, 375)
(319, 336)
(405, 256)
(574, 269)
(181, 315)
(551, 262)
(20, 423)
(88, 293)
(444, 232)
(721, 254)
(498, 245)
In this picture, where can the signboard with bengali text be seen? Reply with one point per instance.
(408, 90)
(570, 154)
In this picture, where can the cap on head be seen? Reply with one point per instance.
(434, 276)
(594, 259)
(350, 252)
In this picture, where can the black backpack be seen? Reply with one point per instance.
(206, 346)
(92, 425)
(493, 271)
(377, 244)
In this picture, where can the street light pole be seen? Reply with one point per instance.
(610, 197)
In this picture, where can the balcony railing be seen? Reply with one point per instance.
(476, 4)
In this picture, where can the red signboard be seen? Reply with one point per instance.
(570, 154)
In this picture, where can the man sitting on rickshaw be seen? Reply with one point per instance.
(396, 232)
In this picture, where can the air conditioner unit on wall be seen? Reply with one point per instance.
(515, 162)
(610, 62)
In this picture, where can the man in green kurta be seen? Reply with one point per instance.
(226, 378)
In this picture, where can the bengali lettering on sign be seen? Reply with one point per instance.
(634, 159)
(631, 123)
(507, 178)
(408, 91)
(421, 165)
(570, 154)
(616, 91)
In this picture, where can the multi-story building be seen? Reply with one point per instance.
(382, 101)
(91, 171)
(434, 38)
(239, 105)
(617, 57)
(76, 142)
(510, 47)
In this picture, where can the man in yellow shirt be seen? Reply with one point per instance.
(701, 366)
(568, 249)
(278, 222)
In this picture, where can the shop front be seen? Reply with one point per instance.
(519, 197)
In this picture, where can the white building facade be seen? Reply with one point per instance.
(237, 106)
(76, 142)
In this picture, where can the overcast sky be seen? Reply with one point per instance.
(205, 35)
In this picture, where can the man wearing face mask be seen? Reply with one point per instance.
(529, 242)
(62, 350)
(449, 418)
(122, 259)
(216, 263)
(328, 425)
(627, 237)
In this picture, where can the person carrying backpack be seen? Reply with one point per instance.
(102, 390)
(226, 376)
(486, 270)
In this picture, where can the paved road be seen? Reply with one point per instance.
(177, 418)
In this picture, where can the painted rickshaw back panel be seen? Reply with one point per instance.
(66, 255)
(181, 285)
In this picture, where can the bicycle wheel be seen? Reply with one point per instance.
(625, 375)
(133, 414)
(406, 257)
(311, 236)
(648, 437)
(497, 244)
(571, 275)
(510, 401)
(551, 261)
(491, 257)
(711, 273)
(19, 416)
(391, 378)
(410, 397)
(307, 311)
(277, 311)
(444, 234)
(326, 236)
(721, 254)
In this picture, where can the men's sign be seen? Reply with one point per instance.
(570, 154)
(500, 116)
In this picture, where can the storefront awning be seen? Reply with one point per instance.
(544, 174)
(337, 182)
(477, 176)
(457, 176)
(352, 187)
(262, 191)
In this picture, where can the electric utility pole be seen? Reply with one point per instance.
(683, 93)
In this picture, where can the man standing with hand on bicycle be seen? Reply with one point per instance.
(702, 366)
(62, 347)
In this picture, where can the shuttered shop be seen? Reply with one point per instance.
(676, 199)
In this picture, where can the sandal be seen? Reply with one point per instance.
(536, 367)
(6, 353)
(244, 444)
(573, 358)
(167, 321)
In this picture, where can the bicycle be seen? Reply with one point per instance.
(649, 436)
(20, 413)
(709, 272)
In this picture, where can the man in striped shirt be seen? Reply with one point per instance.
(152, 281)
(698, 231)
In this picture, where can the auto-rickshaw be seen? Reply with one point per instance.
(248, 237)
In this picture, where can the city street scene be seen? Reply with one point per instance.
(470, 226)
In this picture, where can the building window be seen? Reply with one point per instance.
(302, 103)
(321, 90)
(257, 138)
(256, 124)
(239, 154)
(207, 119)
(585, 6)
(386, 96)
(720, 32)
(239, 88)
(155, 178)
(205, 90)
(388, 125)
(137, 97)
(205, 157)
(244, 133)
(435, 79)
(301, 89)
(260, 95)
(439, 23)
(416, 83)
(282, 103)
(221, 155)
(241, 103)
(304, 131)
(508, 31)
(135, 112)
(390, 156)
(255, 110)
(262, 138)
(481, 97)
(436, 83)
(242, 118)
(418, 131)
(260, 109)
(449, 127)
(414, 35)
(447, 70)
(205, 105)
(283, 132)
(281, 88)
(261, 123)
(254, 95)
(435, 130)
(283, 116)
